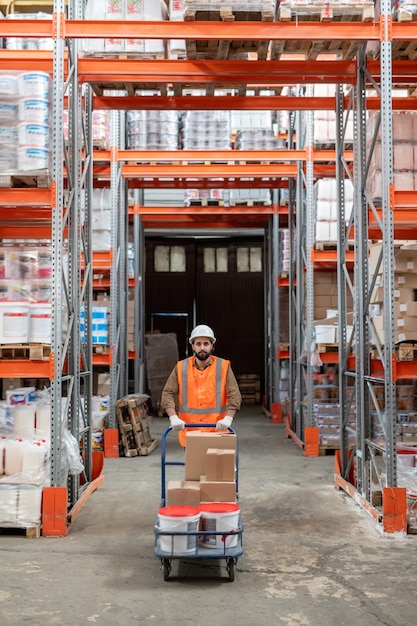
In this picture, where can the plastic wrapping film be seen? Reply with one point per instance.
(404, 131)
(24, 470)
(24, 121)
(152, 130)
(147, 10)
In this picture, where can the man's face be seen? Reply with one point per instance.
(202, 347)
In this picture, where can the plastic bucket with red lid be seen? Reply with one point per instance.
(220, 517)
(178, 519)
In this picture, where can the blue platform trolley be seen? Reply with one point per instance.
(189, 540)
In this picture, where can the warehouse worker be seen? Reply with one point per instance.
(205, 386)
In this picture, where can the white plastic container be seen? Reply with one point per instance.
(13, 457)
(35, 456)
(43, 420)
(8, 85)
(14, 322)
(219, 517)
(24, 420)
(40, 314)
(33, 84)
(31, 158)
(33, 134)
(34, 110)
(178, 519)
(325, 333)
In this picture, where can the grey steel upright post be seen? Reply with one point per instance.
(57, 243)
(388, 247)
(115, 288)
(139, 295)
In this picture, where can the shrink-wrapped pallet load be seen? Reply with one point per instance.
(146, 10)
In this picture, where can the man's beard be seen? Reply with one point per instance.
(203, 356)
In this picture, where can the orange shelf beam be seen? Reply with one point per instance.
(24, 368)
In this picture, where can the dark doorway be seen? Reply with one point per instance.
(219, 282)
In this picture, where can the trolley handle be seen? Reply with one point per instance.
(164, 462)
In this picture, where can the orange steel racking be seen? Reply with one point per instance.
(134, 73)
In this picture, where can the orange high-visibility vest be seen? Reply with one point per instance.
(202, 396)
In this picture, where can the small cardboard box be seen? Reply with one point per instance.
(217, 491)
(183, 493)
(220, 465)
(198, 442)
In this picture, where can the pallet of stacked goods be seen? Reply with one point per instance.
(146, 10)
(24, 129)
(404, 132)
(25, 436)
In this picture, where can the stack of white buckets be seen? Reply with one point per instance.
(180, 525)
(24, 121)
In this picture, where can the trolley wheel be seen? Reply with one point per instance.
(167, 568)
(231, 569)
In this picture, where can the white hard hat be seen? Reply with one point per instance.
(202, 330)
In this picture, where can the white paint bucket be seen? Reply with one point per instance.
(40, 314)
(32, 158)
(34, 110)
(174, 519)
(8, 85)
(219, 517)
(8, 113)
(8, 160)
(14, 322)
(33, 134)
(33, 84)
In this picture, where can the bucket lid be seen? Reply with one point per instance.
(179, 511)
(406, 451)
(219, 507)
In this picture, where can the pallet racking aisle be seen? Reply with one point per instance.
(301, 53)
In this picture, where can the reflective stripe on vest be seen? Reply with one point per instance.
(184, 402)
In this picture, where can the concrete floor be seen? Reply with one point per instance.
(311, 556)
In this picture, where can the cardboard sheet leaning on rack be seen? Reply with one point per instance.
(135, 426)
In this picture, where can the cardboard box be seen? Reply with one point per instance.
(220, 465)
(183, 493)
(217, 491)
(198, 442)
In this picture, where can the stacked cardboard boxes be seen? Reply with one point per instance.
(210, 470)
(405, 293)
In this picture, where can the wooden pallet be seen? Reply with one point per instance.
(221, 49)
(31, 351)
(321, 12)
(250, 388)
(38, 178)
(249, 202)
(205, 202)
(31, 532)
(406, 352)
(134, 426)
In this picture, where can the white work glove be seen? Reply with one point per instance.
(225, 423)
(176, 423)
